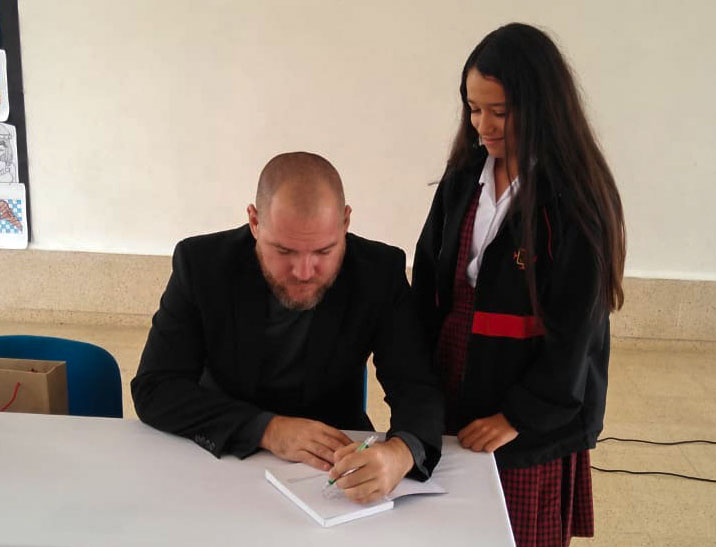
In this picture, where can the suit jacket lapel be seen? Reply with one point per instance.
(457, 206)
(250, 294)
(323, 334)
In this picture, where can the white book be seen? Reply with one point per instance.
(304, 486)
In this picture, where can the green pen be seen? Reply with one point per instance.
(365, 444)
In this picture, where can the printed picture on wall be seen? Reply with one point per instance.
(8, 153)
(4, 99)
(13, 216)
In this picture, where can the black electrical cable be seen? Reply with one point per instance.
(663, 473)
(688, 477)
(671, 443)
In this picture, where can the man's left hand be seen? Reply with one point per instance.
(487, 434)
(378, 469)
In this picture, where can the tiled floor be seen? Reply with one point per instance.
(658, 391)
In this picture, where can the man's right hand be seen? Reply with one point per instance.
(302, 440)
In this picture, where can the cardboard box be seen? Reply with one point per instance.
(28, 385)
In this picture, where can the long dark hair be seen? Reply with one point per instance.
(555, 149)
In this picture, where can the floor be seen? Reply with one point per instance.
(658, 390)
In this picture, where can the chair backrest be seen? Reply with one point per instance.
(365, 388)
(94, 385)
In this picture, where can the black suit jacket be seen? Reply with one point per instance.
(210, 323)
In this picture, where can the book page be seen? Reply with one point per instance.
(306, 487)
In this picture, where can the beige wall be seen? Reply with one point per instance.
(149, 120)
(121, 289)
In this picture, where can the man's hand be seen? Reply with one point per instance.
(378, 469)
(487, 434)
(301, 440)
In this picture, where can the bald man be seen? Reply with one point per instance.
(263, 333)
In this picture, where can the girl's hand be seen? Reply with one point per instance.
(487, 434)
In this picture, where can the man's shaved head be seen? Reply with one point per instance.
(305, 181)
(299, 221)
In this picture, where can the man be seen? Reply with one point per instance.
(263, 333)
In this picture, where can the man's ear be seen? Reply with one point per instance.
(253, 220)
(347, 218)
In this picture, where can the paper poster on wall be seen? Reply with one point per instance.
(8, 153)
(13, 216)
(4, 98)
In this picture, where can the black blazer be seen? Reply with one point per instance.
(210, 323)
(551, 388)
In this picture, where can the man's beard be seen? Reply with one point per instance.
(282, 295)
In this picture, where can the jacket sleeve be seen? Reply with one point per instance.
(166, 389)
(425, 267)
(402, 362)
(552, 391)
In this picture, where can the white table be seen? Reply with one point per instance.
(74, 481)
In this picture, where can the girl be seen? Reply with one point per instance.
(516, 270)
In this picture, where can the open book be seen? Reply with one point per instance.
(303, 485)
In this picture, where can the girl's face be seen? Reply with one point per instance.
(488, 113)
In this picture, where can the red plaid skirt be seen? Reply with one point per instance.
(551, 502)
(548, 503)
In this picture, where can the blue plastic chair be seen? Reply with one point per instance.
(94, 385)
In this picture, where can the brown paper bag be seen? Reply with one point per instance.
(28, 385)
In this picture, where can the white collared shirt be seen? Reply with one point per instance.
(489, 217)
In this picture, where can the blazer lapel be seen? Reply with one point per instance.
(250, 294)
(457, 206)
(323, 333)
